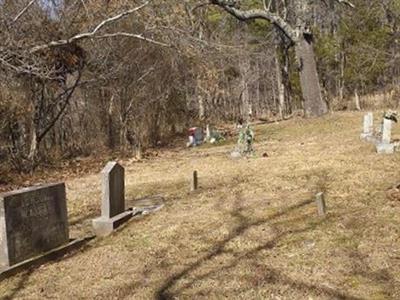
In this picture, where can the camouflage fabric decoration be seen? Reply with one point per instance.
(246, 138)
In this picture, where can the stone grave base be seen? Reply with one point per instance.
(147, 205)
(373, 139)
(105, 226)
(385, 148)
(43, 258)
(365, 136)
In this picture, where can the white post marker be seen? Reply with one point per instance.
(320, 200)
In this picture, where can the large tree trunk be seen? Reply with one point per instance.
(298, 33)
(314, 105)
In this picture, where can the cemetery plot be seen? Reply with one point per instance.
(255, 227)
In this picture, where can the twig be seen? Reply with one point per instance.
(348, 3)
(137, 36)
(23, 10)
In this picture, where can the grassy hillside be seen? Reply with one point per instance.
(250, 232)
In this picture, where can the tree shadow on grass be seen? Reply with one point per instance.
(243, 224)
(360, 267)
(81, 219)
(24, 277)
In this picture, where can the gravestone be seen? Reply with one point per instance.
(208, 133)
(321, 206)
(113, 212)
(32, 221)
(385, 147)
(368, 126)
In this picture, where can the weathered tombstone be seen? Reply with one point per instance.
(320, 200)
(386, 131)
(385, 147)
(208, 133)
(32, 221)
(113, 212)
(368, 126)
(194, 183)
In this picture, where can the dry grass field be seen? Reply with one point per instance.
(250, 232)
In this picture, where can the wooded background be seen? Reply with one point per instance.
(78, 77)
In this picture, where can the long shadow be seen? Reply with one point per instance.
(362, 268)
(20, 286)
(271, 275)
(243, 225)
(274, 275)
(218, 249)
(81, 219)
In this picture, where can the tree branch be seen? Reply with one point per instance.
(28, 69)
(136, 36)
(68, 94)
(259, 14)
(90, 34)
(267, 7)
(345, 2)
(24, 10)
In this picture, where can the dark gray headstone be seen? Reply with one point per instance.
(32, 221)
(113, 201)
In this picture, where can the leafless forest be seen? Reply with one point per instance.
(78, 77)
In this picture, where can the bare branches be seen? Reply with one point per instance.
(267, 7)
(25, 65)
(66, 94)
(252, 14)
(132, 35)
(22, 57)
(231, 6)
(345, 2)
(200, 5)
(24, 10)
(90, 34)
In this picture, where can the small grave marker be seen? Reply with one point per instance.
(113, 212)
(320, 200)
(385, 147)
(208, 133)
(368, 126)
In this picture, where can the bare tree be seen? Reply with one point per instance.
(298, 31)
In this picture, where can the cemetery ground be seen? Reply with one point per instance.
(251, 231)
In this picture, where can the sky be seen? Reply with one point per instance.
(51, 6)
